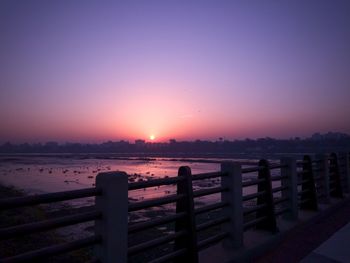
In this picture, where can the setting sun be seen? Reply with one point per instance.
(152, 137)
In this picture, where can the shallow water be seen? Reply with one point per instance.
(44, 174)
(50, 174)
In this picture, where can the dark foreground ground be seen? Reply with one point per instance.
(14, 246)
(303, 240)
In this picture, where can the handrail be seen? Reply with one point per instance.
(154, 202)
(53, 250)
(154, 182)
(254, 222)
(48, 224)
(277, 166)
(209, 191)
(172, 180)
(253, 209)
(213, 239)
(252, 196)
(15, 202)
(252, 169)
(278, 177)
(281, 200)
(212, 223)
(155, 242)
(208, 208)
(252, 182)
(155, 222)
(202, 176)
(264, 207)
(279, 189)
(170, 256)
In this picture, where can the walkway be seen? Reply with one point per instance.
(325, 241)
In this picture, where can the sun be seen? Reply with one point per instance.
(152, 137)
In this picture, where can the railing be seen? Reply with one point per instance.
(29, 228)
(243, 199)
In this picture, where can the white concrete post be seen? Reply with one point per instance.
(291, 181)
(113, 226)
(323, 172)
(233, 181)
(345, 170)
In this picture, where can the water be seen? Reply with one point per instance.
(44, 174)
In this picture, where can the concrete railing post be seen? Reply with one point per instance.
(308, 188)
(290, 179)
(233, 181)
(113, 226)
(322, 170)
(269, 223)
(344, 170)
(188, 223)
(335, 182)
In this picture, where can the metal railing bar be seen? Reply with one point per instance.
(154, 222)
(280, 188)
(251, 223)
(214, 239)
(212, 223)
(277, 166)
(48, 224)
(252, 182)
(32, 256)
(304, 191)
(169, 256)
(278, 177)
(209, 191)
(211, 207)
(303, 181)
(154, 182)
(252, 196)
(251, 169)
(154, 202)
(281, 200)
(282, 211)
(250, 210)
(300, 163)
(202, 176)
(15, 202)
(155, 242)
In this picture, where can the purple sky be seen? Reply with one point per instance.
(92, 71)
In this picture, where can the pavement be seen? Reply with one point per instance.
(324, 241)
(334, 250)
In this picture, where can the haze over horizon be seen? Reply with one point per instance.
(92, 71)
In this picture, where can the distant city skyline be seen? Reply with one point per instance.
(89, 71)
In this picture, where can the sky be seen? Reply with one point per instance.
(90, 71)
